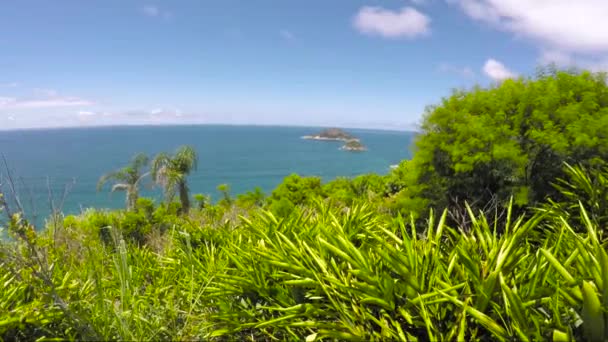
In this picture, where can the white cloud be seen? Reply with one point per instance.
(497, 71)
(566, 31)
(557, 57)
(43, 99)
(9, 85)
(404, 23)
(287, 35)
(10, 118)
(86, 113)
(464, 72)
(45, 92)
(165, 113)
(420, 2)
(156, 12)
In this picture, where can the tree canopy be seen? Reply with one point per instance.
(511, 139)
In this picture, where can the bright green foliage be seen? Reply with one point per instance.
(201, 200)
(327, 273)
(171, 172)
(226, 199)
(127, 179)
(589, 187)
(510, 140)
(292, 192)
(338, 261)
(255, 198)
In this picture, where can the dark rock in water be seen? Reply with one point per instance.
(354, 146)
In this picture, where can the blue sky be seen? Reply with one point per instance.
(373, 63)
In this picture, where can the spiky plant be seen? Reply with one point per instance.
(171, 172)
(127, 179)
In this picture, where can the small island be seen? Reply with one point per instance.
(334, 134)
(354, 146)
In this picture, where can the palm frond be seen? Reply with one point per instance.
(159, 163)
(186, 159)
(119, 175)
(120, 187)
(139, 161)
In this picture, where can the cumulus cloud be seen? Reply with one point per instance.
(563, 24)
(404, 23)
(497, 71)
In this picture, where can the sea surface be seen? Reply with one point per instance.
(62, 166)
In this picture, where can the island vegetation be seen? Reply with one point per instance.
(332, 134)
(351, 143)
(495, 230)
(354, 146)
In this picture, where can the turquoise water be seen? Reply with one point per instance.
(242, 156)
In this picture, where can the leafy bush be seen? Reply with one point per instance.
(294, 191)
(510, 140)
(255, 198)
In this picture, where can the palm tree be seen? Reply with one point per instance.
(171, 172)
(127, 179)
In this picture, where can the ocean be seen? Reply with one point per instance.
(65, 164)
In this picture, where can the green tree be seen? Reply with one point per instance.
(171, 172)
(294, 191)
(127, 179)
(486, 145)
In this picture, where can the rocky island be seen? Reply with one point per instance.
(333, 134)
(353, 146)
(351, 143)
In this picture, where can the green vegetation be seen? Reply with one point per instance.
(353, 145)
(487, 145)
(494, 231)
(127, 179)
(171, 173)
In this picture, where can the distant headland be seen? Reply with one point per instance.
(352, 143)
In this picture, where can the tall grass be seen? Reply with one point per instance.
(324, 273)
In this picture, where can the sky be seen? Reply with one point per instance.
(355, 63)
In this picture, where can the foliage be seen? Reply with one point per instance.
(321, 273)
(510, 140)
(294, 191)
(201, 200)
(127, 179)
(224, 189)
(171, 172)
(255, 198)
(352, 259)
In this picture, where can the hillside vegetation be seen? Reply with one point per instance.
(495, 230)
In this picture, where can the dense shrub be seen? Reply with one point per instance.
(510, 140)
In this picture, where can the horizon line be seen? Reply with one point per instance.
(405, 130)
